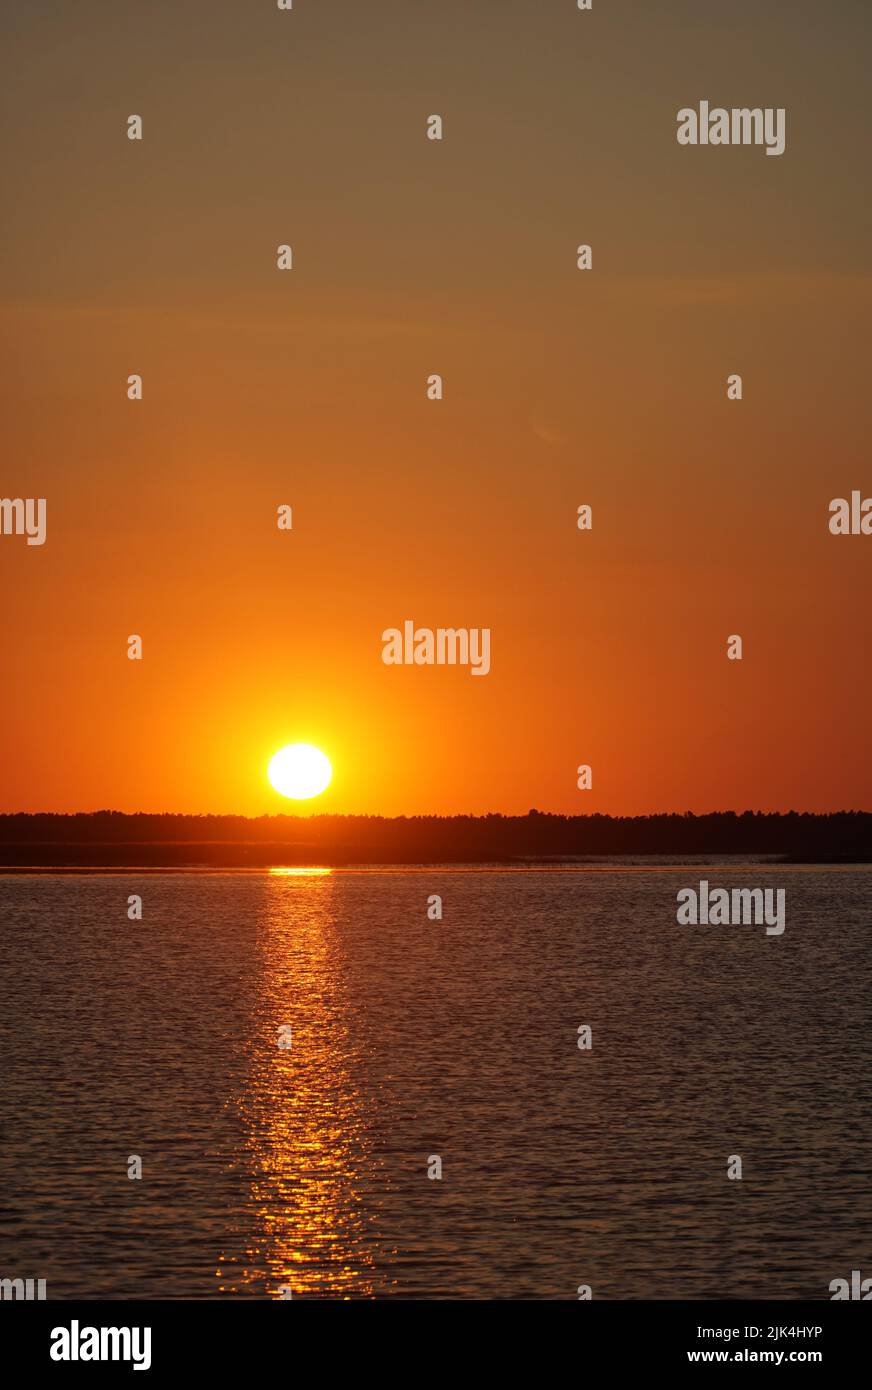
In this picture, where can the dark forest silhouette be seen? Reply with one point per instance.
(107, 838)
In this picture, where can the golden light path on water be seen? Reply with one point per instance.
(309, 1161)
(299, 873)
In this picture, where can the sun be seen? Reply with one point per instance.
(299, 771)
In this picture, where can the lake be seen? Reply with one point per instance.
(268, 1169)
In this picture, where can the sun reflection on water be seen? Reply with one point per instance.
(309, 871)
(309, 1228)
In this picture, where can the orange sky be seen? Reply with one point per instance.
(308, 387)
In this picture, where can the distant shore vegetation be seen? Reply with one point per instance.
(114, 837)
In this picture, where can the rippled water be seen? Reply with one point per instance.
(306, 1168)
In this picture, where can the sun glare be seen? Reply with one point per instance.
(299, 771)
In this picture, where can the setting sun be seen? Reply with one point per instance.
(299, 771)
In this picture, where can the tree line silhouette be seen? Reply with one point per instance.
(114, 838)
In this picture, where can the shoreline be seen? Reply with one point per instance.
(630, 865)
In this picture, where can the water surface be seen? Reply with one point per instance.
(306, 1169)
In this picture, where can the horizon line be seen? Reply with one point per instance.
(438, 815)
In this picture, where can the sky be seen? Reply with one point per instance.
(308, 388)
